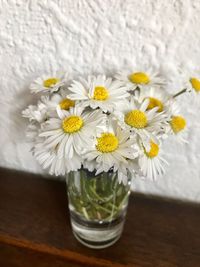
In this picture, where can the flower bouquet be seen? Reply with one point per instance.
(100, 133)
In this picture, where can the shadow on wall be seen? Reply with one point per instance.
(22, 99)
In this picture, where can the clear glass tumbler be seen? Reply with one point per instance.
(97, 207)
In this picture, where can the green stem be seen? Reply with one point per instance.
(98, 207)
(85, 213)
(101, 200)
(86, 189)
(97, 198)
(180, 93)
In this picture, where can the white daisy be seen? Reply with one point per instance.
(145, 78)
(36, 112)
(136, 118)
(111, 150)
(150, 161)
(98, 92)
(49, 159)
(71, 131)
(58, 100)
(49, 83)
(158, 97)
(191, 83)
(177, 123)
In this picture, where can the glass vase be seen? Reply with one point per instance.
(97, 207)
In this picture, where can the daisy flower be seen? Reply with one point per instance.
(58, 100)
(111, 150)
(150, 160)
(191, 84)
(194, 84)
(71, 131)
(177, 123)
(49, 159)
(157, 98)
(49, 83)
(36, 113)
(136, 118)
(138, 78)
(98, 92)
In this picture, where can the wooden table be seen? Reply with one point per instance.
(35, 229)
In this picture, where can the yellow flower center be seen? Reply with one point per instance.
(139, 78)
(72, 124)
(154, 150)
(66, 103)
(108, 142)
(50, 82)
(154, 102)
(136, 118)
(100, 93)
(195, 84)
(177, 123)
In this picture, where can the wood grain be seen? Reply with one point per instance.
(35, 229)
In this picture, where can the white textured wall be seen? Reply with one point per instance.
(84, 36)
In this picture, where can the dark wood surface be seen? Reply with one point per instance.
(35, 229)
